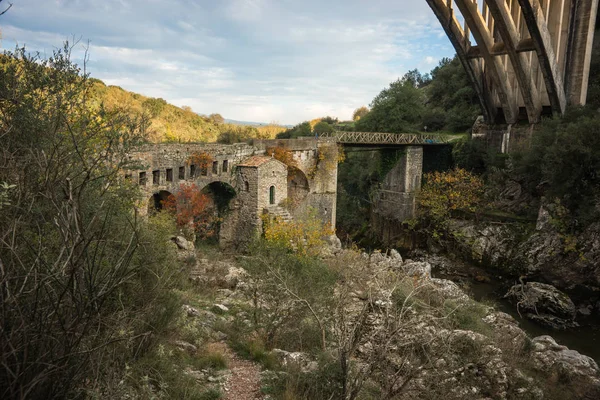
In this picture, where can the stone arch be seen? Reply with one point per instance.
(156, 201)
(298, 187)
(221, 195)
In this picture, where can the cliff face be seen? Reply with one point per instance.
(567, 262)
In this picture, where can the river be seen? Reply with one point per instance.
(487, 288)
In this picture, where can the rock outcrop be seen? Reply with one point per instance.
(544, 304)
(567, 263)
(568, 366)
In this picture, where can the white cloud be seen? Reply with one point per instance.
(258, 60)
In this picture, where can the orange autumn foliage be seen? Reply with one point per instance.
(192, 207)
(282, 154)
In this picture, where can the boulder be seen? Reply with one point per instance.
(296, 359)
(449, 289)
(544, 304)
(334, 242)
(190, 311)
(185, 346)
(182, 243)
(220, 308)
(235, 276)
(567, 365)
(394, 255)
(419, 269)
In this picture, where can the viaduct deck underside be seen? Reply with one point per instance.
(386, 139)
(522, 54)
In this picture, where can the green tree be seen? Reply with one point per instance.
(450, 92)
(302, 129)
(396, 109)
(322, 127)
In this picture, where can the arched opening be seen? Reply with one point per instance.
(220, 194)
(157, 201)
(298, 187)
(272, 195)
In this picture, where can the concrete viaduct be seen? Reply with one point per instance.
(254, 182)
(522, 56)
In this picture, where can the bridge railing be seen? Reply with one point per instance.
(386, 138)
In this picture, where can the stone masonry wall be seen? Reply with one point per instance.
(273, 173)
(320, 174)
(164, 162)
(395, 201)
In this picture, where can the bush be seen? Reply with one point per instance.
(564, 159)
(445, 192)
(86, 284)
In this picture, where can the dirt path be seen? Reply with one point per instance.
(244, 382)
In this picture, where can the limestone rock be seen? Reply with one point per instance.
(334, 242)
(394, 255)
(419, 269)
(220, 308)
(182, 243)
(185, 346)
(235, 276)
(543, 219)
(544, 303)
(449, 289)
(298, 359)
(566, 364)
(190, 311)
(507, 328)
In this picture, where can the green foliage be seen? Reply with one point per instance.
(324, 383)
(154, 376)
(289, 286)
(154, 106)
(397, 109)
(302, 129)
(255, 350)
(445, 192)
(87, 286)
(467, 316)
(475, 156)
(450, 92)
(356, 176)
(237, 134)
(322, 127)
(564, 159)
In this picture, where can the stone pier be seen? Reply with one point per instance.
(395, 200)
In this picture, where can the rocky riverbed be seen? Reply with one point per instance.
(474, 351)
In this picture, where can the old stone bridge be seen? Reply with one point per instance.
(252, 182)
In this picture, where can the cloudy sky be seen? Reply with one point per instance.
(254, 60)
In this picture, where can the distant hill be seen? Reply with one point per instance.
(169, 123)
(248, 123)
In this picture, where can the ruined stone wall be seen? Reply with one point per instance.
(242, 223)
(395, 201)
(271, 174)
(316, 158)
(166, 160)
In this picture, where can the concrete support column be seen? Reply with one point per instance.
(581, 38)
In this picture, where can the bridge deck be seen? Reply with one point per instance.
(393, 139)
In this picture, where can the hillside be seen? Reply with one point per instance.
(169, 123)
